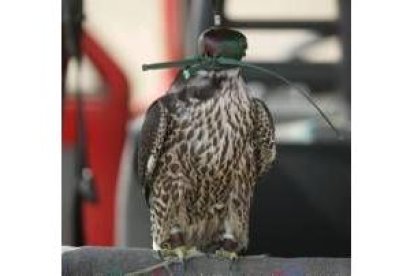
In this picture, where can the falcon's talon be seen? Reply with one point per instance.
(225, 254)
(181, 253)
(192, 252)
(178, 252)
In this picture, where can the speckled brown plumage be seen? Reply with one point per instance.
(203, 148)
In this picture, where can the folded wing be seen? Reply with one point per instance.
(153, 135)
(264, 137)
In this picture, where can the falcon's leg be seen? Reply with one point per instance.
(236, 223)
(229, 245)
(169, 220)
(167, 233)
(174, 247)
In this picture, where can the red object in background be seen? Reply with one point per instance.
(106, 115)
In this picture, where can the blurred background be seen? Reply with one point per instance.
(301, 208)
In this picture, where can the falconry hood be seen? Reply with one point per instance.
(222, 42)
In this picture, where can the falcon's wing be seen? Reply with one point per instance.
(264, 136)
(153, 135)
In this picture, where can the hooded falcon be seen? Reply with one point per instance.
(204, 145)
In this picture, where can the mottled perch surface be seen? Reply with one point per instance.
(120, 261)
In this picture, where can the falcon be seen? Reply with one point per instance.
(204, 145)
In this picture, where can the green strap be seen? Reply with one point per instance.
(204, 62)
(173, 64)
(301, 90)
